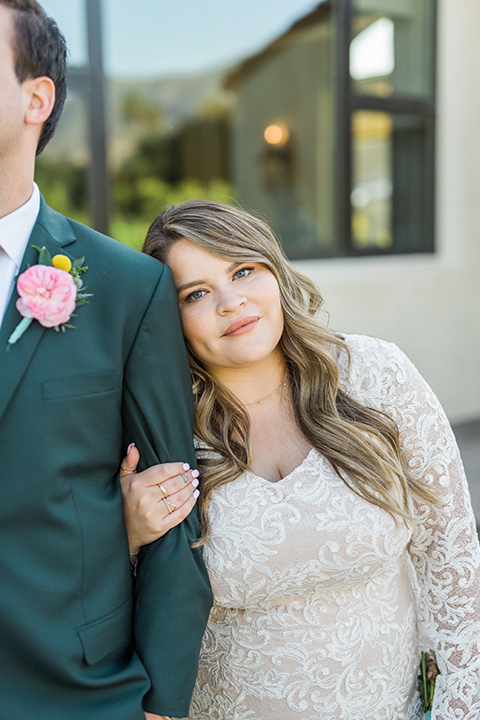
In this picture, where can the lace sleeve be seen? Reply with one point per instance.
(444, 547)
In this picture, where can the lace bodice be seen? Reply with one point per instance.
(323, 601)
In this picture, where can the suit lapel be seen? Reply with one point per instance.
(53, 231)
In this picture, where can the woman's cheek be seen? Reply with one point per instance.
(193, 326)
(186, 323)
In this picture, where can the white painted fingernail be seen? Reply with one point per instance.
(130, 447)
(196, 494)
(195, 482)
(186, 466)
(195, 473)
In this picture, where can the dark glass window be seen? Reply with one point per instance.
(388, 131)
(391, 182)
(391, 47)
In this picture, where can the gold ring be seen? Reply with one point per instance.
(126, 472)
(165, 494)
(170, 506)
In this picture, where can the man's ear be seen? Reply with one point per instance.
(40, 99)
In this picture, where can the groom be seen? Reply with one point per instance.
(69, 402)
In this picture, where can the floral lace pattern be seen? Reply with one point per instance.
(324, 601)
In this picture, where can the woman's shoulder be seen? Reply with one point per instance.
(370, 365)
(367, 350)
(373, 346)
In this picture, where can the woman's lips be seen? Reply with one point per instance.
(241, 326)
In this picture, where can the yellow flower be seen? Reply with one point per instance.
(62, 262)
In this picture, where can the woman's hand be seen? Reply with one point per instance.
(156, 499)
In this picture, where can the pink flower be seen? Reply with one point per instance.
(47, 294)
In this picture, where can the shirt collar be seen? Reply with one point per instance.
(17, 226)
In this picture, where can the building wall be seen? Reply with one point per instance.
(430, 304)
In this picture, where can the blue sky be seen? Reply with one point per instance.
(160, 37)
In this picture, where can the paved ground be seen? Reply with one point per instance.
(468, 438)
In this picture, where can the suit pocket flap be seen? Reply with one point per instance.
(100, 637)
(80, 385)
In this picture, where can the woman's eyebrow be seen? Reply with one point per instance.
(192, 283)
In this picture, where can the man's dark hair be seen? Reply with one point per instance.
(39, 49)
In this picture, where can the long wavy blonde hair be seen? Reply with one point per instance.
(361, 443)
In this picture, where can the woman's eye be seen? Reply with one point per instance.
(243, 272)
(195, 295)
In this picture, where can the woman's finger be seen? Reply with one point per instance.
(160, 474)
(184, 509)
(155, 512)
(181, 496)
(130, 461)
(178, 482)
(175, 513)
(158, 520)
(142, 493)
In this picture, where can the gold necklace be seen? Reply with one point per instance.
(267, 397)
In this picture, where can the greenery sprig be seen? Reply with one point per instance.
(427, 676)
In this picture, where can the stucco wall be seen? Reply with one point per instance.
(430, 304)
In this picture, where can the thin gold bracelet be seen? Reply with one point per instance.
(133, 559)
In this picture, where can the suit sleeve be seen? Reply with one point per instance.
(173, 595)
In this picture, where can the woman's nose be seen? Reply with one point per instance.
(229, 300)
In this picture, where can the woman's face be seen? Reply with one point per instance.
(231, 312)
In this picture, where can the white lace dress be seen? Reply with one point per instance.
(323, 601)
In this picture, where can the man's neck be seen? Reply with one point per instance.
(15, 188)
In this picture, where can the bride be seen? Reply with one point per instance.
(337, 528)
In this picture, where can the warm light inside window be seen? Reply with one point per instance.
(276, 134)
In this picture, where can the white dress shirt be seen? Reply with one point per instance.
(15, 231)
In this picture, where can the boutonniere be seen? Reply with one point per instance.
(49, 292)
(427, 676)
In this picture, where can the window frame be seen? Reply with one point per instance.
(89, 82)
(347, 103)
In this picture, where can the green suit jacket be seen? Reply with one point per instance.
(69, 404)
